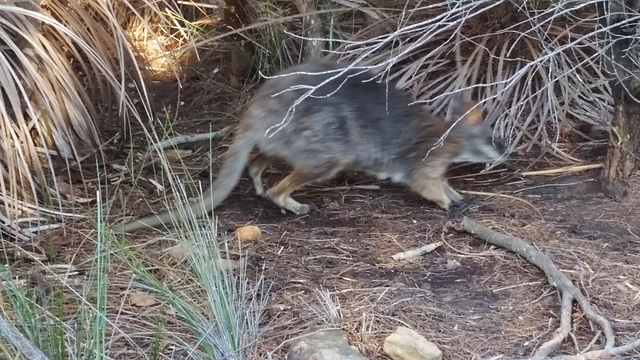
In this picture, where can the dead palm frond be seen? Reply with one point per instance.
(535, 66)
(64, 69)
(43, 105)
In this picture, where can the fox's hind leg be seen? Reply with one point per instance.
(257, 163)
(451, 193)
(281, 193)
(436, 190)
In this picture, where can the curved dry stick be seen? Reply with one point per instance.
(556, 278)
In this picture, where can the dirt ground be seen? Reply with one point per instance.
(471, 299)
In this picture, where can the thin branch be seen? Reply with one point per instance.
(506, 196)
(26, 347)
(190, 138)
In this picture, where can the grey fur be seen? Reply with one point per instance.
(350, 123)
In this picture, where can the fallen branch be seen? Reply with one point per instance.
(13, 336)
(417, 252)
(561, 282)
(189, 138)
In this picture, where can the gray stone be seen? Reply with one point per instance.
(406, 344)
(323, 345)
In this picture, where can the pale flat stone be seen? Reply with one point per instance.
(406, 344)
(323, 345)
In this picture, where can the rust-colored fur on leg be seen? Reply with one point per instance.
(257, 163)
(281, 193)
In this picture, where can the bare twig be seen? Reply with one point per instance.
(562, 170)
(189, 138)
(417, 252)
(556, 278)
(341, 188)
(506, 196)
(26, 347)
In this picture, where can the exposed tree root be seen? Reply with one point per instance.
(566, 288)
(602, 354)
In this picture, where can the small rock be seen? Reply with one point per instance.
(323, 345)
(452, 264)
(248, 233)
(228, 264)
(334, 205)
(142, 300)
(177, 252)
(406, 344)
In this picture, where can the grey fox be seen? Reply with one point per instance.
(349, 123)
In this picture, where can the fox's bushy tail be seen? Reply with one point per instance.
(236, 160)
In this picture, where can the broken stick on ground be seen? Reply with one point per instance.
(566, 288)
(190, 138)
(417, 252)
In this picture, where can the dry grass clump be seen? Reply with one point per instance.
(49, 115)
(535, 66)
(67, 71)
(283, 33)
(68, 74)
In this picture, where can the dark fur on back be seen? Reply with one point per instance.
(366, 124)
